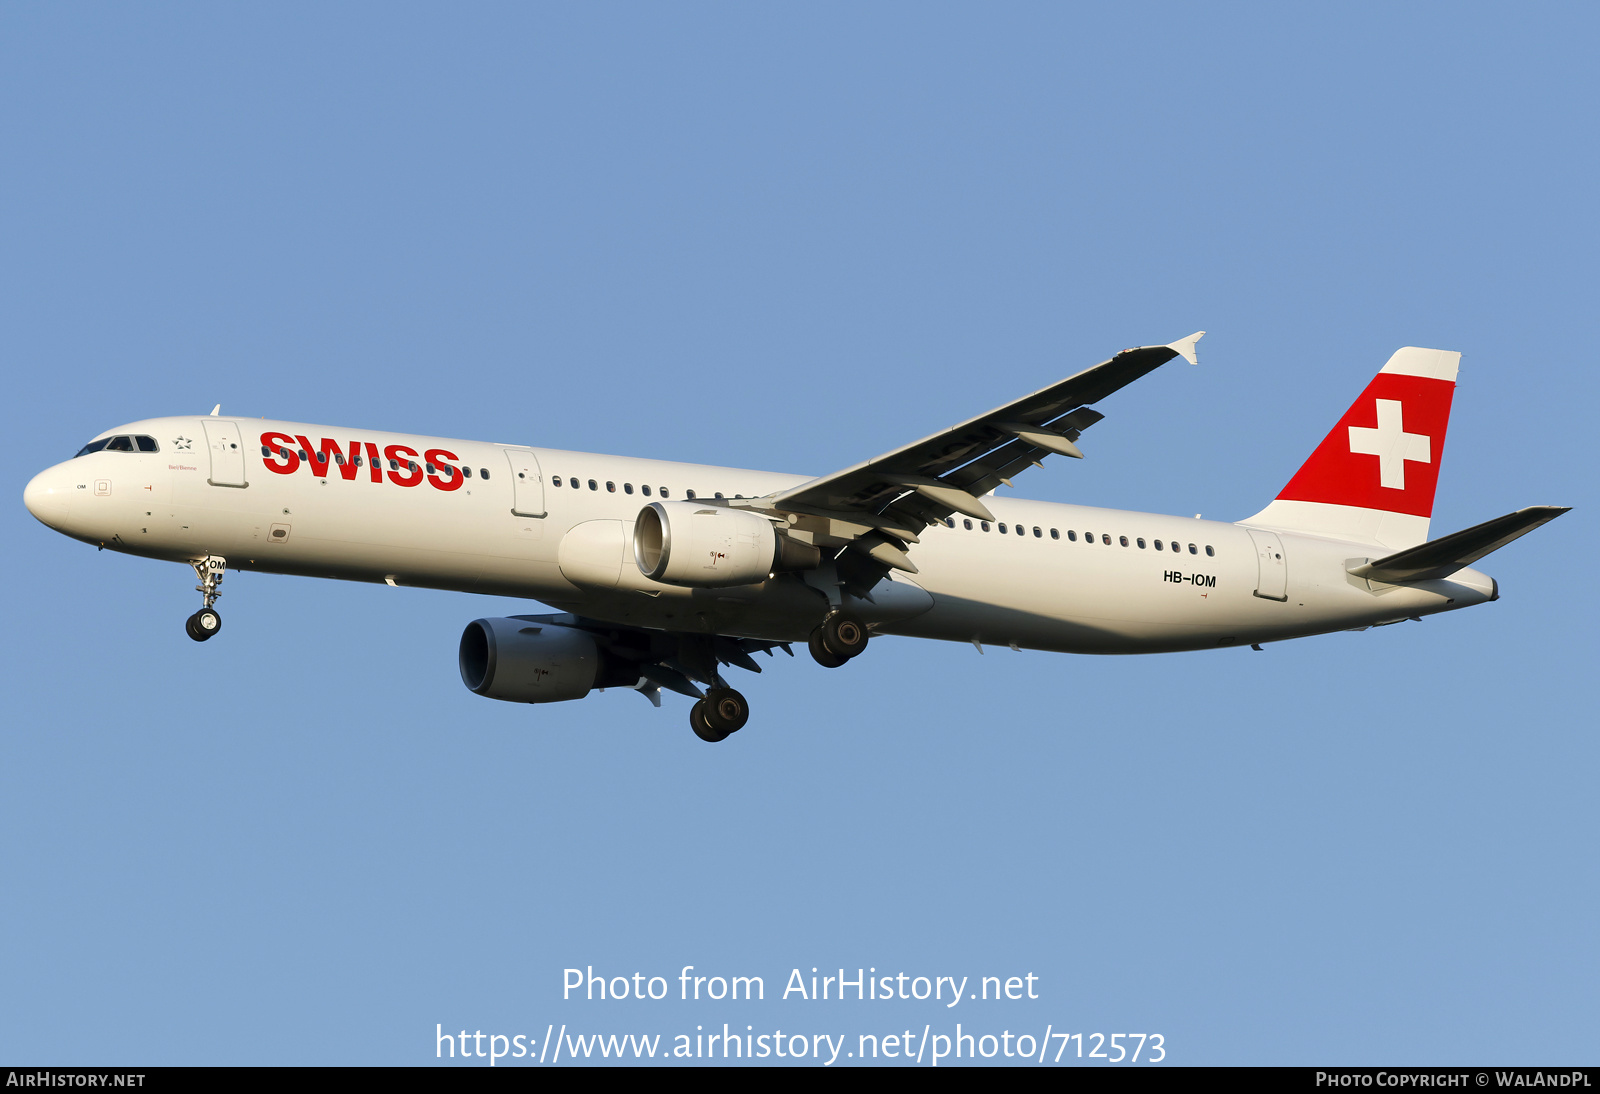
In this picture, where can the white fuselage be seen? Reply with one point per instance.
(1052, 589)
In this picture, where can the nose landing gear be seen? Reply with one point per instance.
(205, 623)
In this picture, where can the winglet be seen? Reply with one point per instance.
(215, 410)
(1184, 347)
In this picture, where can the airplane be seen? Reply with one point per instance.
(664, 573)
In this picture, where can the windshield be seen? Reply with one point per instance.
(120, 444)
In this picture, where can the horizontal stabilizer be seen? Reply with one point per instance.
(1444, 556)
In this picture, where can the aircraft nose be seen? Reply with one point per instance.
(47, 498)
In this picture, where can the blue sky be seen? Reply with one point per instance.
(793, 239)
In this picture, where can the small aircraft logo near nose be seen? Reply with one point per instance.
(182, 444)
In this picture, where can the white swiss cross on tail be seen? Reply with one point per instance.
(1391, 444)
(1401, 419)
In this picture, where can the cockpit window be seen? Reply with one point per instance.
(120, 444)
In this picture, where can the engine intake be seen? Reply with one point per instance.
(710, 547)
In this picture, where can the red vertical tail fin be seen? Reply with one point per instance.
(1372, 478)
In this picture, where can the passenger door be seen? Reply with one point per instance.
(1272, 580)
(227, 452)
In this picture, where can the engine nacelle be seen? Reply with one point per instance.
(522, 661)
(711, 546)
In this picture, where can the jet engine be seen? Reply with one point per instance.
(710, 547)
(524, 661)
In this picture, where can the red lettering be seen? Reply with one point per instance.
(317, 461)
(376, 461)
(352, 462)
(405, 457)
(319, 458)
(448, 478)
(278, 445)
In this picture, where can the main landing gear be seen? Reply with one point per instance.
(722, 712)
(205, 623)
(841, 637)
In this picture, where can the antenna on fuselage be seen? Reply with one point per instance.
(216, 410)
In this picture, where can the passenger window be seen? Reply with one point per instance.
(555, 480)
(394, 465)
(575, 484)
(1071, 535)
(664, 492)
(1088, 537)
(645, 490)
(688, 494)
(1054, 534)
(1158, 545)
(949, 522)
(1002, 529)
(984, 525)
(411, 465)
(338, 458)
(1141, 543)
(1105, 538)
(1209, 552)
(627, 488)
(1192, 551)
(611, 487)
(968, 524)
(414, 467)
(147, 444)
(483, 472)
(265, 451)
(120, 444)
(283, 452)
(1124, 540)
(593, 485)
(357, 461)
(719, 493)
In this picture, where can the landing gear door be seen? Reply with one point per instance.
(1272, 581)
(227, 452)
(526, 483)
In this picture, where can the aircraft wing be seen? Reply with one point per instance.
(878, 507)
(672, 661)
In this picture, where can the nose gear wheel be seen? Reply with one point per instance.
(203, 624)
